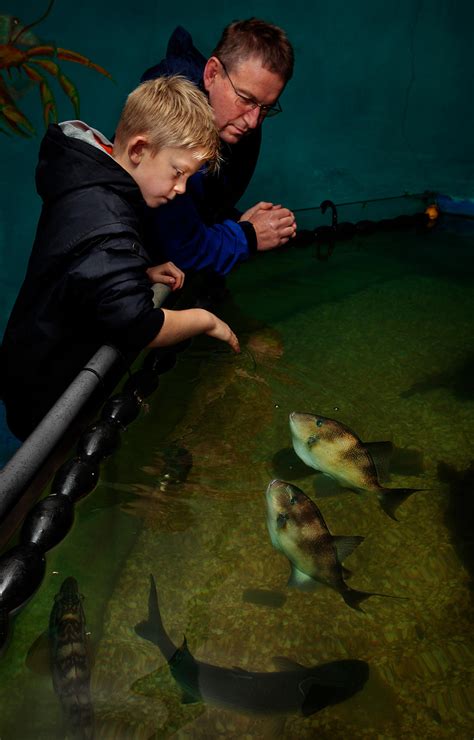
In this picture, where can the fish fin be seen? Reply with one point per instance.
(391, 498)
(37, 658)
(381, 454)
(301, 580)
(286, 664)
(354, 598)
(152, 628)
(91, 650)
(346, 545)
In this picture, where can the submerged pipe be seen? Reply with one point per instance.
(326, 234)
(329, 235)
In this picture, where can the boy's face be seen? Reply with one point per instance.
(162, 176)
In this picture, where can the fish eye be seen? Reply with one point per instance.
(293, 500)
(319, 422)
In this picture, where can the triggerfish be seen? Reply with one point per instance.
(298, 530)
(293, 688)
(331, 447)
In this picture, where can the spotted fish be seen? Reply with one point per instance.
(70, 661)
(298, 530)
(331, 447)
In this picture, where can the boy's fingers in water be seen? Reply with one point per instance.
(234, 342)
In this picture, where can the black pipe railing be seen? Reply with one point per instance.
(22, 567)
(27, 461)
(328, 235)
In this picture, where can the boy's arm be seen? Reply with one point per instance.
(180, 325)
(111, 290)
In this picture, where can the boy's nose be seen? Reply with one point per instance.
(180, 188)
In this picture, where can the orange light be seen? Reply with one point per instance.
(432, 211)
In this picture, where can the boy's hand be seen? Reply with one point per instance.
(168, 274)
(222, 331)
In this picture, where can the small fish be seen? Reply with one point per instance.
(331, 447)
(293, 688)
(298, 530)
(70, 661)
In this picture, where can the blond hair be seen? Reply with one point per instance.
(170, 112)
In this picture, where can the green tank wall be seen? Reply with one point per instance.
(381, 102)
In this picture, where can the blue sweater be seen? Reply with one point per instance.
(198, 230)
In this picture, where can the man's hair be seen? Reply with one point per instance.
(254, 37)
(170, 112)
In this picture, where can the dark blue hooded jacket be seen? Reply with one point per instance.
(199, 230)
(86, 282)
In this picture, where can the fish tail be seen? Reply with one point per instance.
(152, 629)
(391, 498)
(80, 716)
(354, 598)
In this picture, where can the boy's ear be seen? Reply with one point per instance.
(136, 148)
(210, 72)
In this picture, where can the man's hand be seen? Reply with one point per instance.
(273, 224)
(168, 274)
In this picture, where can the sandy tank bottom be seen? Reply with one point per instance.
(379, 359)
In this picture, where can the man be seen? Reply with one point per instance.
(243, 78)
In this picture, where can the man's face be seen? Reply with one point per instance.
(252, 82)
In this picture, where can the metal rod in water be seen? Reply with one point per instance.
(367, 200)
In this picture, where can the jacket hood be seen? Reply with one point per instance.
(182, 58)
(67, 164)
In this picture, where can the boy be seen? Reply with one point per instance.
(89, 276)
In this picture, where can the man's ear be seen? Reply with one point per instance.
(136, 148)
(210, 72)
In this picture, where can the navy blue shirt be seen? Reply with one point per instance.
(199, 229)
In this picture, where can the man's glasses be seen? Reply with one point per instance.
(248, 104)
